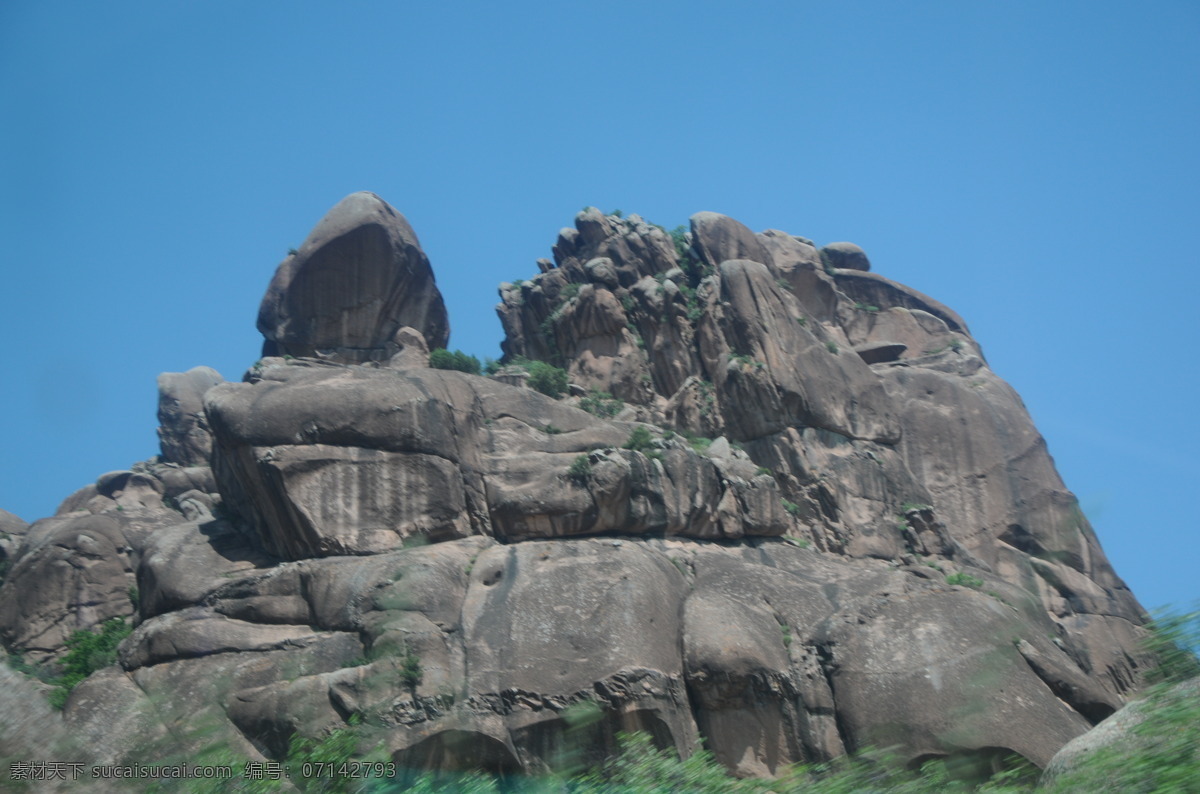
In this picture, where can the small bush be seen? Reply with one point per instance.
(581, 469)
(792, 508)
(490, 366)
(964, 579)
(831, 346)
(551, 430)
(441, 358)
(547, 378)
(88, 652)
(640, 440)
(410, 671)
(601, 403)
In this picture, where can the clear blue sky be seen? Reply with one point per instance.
(1033, 165)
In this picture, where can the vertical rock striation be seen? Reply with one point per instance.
(786, 507)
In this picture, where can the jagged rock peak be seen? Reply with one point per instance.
(358, 278)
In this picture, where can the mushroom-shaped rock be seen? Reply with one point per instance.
(845, 256)
(359, 277)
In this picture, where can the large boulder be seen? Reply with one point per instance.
(329, 460)
(534, 655)
(12, 530)
(358, 278)
(71, 573)
(847, 256)
(183, 431)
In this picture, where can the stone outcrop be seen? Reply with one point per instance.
(845, 256)
(355, 282)
(183, 432)
(12, 529)
(786, 507)
(324, 460)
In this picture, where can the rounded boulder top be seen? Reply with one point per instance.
(358, 278)
(845, 256)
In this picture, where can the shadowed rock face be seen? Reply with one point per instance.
(357, 280)
(870, 545)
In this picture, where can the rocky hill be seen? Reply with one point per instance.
(779, 505)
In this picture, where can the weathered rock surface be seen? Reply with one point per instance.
(327, 460)
(786, 507)
(183, 429)
(846, 256)
(70, 573)
(12, 529)
(358, 278)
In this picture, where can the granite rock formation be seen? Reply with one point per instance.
(787, 509)
(355, 282)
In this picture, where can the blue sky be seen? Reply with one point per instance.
(1033, 165)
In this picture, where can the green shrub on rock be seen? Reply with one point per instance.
(547, 378)
(441, 358)
(88, 652)
(601, 403)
